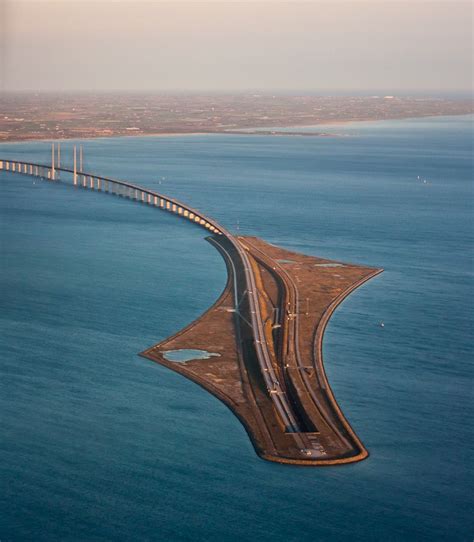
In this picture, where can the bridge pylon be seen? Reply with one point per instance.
(74, 173)
(52, 162)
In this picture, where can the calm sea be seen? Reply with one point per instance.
(99, 444)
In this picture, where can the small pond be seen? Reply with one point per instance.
(186, 354)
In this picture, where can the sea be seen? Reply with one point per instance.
(99, 444)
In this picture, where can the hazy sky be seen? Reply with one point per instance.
(270, 45)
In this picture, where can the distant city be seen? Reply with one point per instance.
(30, 116)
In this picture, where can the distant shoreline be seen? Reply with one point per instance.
(254, 131)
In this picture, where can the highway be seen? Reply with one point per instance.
(291, 307)
(275, 392)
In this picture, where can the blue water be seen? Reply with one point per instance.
(99, 444)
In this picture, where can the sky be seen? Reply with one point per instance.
(223, 46)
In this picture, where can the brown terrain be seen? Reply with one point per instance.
(26, 116)
(297, 295)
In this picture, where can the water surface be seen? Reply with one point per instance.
(99, 444)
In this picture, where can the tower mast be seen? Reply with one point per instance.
(74, 175)
(52, 161)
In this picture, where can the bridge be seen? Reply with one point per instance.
(289, 411)
(110, 186)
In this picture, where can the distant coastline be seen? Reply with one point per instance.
(256, 131)
(33, 117)
(263, 131)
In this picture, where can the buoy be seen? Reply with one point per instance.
(382, 324)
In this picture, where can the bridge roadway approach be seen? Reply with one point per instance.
(266, 330)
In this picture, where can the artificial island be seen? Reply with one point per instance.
(264, 334)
